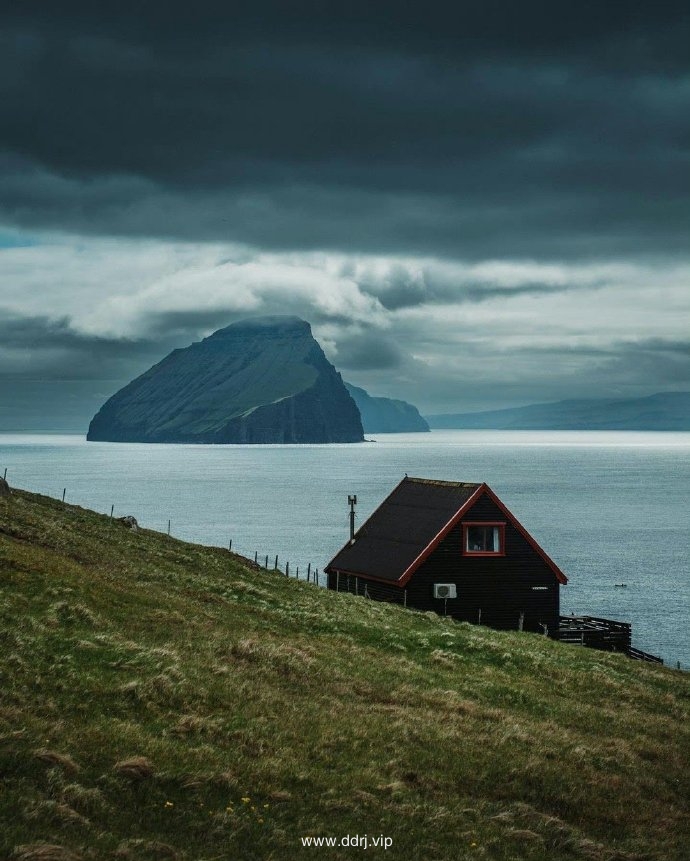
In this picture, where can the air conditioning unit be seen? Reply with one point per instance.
(445, 590)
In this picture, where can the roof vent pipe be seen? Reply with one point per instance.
(352, 501)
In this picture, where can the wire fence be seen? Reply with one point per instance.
(308, 573)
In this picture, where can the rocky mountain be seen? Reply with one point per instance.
(262, 380)
(386, 415)
(665, 411)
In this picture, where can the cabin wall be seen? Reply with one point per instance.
(358, 585)
(502, 587)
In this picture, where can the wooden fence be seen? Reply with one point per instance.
(596, 633)
(605, 634)
(639, 655)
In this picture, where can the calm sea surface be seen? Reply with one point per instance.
(608, 507)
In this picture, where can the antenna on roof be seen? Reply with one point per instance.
(352, 501)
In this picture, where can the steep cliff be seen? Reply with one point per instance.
(262, 380)
(386, 415)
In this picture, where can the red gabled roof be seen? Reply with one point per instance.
(408, 526)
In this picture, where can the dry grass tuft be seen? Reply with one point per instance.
(225, 780)
(139, 848)
(560, 835)
(524, 834)
(393, 788)
(247, 649)
(55, 759)
(445, 658)
(191, 725)
(188, 725)
(192, 781)
(135, 768)
(280, 795)
(83, 799)
(56, 812)
(44, 852)
(74, 614)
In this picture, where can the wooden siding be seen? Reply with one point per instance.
(502, 587)
(366, 588)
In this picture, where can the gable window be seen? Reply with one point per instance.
(483, 539)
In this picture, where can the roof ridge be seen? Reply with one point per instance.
(442, 482)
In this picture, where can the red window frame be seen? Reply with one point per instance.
(501, 538)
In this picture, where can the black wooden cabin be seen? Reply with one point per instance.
(453, 548)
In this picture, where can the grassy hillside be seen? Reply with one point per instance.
(161, 700)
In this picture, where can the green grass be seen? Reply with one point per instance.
(166, 700)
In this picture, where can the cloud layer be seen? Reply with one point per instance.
(493, 132)
(437, 332)
(474, 208)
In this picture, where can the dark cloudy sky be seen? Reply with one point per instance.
(475, 205)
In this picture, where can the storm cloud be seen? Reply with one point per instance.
(475, 206)
(494, 131)
(49, 348)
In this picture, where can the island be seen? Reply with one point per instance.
(259, 380)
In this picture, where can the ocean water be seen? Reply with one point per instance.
(608, 507)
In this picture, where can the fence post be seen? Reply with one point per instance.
(230, 546)
(479, 616)
(275, 567)
(168, 527)
(521, 621)
(64, 491)
(316, 576)
(287, 569)
(308, 571)
(112, 509)
(267, 561)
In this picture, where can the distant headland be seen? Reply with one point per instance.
(664, 411)
(386, 415)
